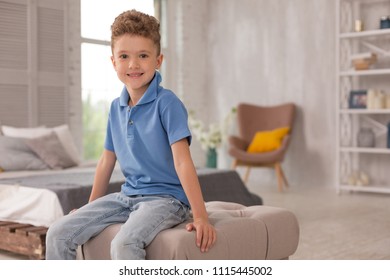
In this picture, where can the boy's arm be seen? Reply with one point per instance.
(205, 232)
(103, 174)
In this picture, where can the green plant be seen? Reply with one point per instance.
(94, 122)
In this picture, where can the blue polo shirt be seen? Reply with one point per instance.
(141, 137)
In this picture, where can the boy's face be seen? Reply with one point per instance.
(135, 60)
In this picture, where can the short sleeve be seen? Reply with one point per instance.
(108, 143)
(175, 121)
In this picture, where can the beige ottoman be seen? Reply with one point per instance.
(254, 232)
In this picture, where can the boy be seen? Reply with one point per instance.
(147, 133)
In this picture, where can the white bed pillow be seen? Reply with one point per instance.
(28, 132)
(50, 149)
(15, 155)
(66, 138)
(62, 131)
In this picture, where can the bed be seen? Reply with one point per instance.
(31, 201)
(49, 182)
(41, 197)
(41, 178)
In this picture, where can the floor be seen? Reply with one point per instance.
(345, 226)
(333, 226)
(4, 255)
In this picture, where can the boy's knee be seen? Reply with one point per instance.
(126, 250)
(56, 230)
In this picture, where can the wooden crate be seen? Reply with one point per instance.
(23, 239)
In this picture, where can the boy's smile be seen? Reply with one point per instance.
(135, 60)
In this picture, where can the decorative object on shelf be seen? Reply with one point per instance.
(359, 25)
(211, 158)
(376, 99)
(371, 95)
(380, 100)
(384, 22)
(387, 100)
(210, 139)
(377, 127)
(363, 61)
(363, 179)
(388, 135)
(352, 179)
(358, 99)
(358, 178)
(366, 137)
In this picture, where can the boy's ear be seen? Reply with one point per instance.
(113, 62)
(160, 59)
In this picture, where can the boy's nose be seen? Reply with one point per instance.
(133, 64)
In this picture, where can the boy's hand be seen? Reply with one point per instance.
(205, 234)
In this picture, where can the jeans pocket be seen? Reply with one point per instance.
(182, 209)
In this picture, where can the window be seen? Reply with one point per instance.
(100, 84)
(33, 79)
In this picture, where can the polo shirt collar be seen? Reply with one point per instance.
(149, 95)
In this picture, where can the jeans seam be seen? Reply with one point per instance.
(180, 217)
(98, 219)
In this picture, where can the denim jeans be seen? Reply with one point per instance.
(143, 217)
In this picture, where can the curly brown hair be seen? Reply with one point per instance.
(136, 23)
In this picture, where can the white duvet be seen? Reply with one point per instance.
(38, 207)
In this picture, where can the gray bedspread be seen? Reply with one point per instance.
(225, 185)
(73, 189)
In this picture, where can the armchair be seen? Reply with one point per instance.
(252, 119)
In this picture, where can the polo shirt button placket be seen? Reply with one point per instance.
(130, 129)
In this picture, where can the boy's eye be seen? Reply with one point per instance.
(123, 56)
(143, 55)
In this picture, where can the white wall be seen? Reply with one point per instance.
(264, 52)
(74, 72)
(40, 64)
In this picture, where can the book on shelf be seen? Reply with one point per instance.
(358, 99)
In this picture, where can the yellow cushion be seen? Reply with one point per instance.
(266, 141)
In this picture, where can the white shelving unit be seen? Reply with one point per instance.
(373, 33)
(356, 163)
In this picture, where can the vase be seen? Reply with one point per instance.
(388, 135)
(366, 137)
(211, 158)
